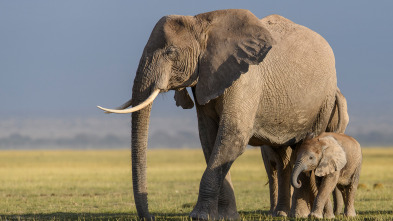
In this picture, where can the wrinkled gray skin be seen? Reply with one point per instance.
(257, 82)
(303, 197)
(336, 161)
(278, 164)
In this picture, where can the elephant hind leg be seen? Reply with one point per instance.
(338, 201)
(349, 199)
(269, 159)
(349, 195)
(284, 170)
(278, 169)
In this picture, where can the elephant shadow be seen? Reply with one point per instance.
(246, 215)
(70, 216)
(249, 215)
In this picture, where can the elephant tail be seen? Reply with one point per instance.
(343, 118)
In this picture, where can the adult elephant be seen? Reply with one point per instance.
(254, 82)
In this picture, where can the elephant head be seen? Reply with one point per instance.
(208, 52)
(322, 154)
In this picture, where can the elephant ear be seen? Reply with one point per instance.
(183, 99)
(333, 157)
(235, 39)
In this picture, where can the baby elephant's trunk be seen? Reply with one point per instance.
(299, 167)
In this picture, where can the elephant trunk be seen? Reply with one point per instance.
(146, 88)
(139, 137)
(299, 167)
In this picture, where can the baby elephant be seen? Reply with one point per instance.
(336, 159)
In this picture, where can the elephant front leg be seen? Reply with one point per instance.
(208, 128)
(328, 210)
(229, 145)
(209, 195)
(327, 186)
(226, 200)
(208, 199)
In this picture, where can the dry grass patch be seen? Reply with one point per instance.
(96, 185)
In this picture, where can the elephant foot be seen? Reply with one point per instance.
(282, 210)
(280, 214)
(202, 216)
(199, 216)
(316, 215)
(230, 216)
(228, 211)
(350, 214)
(200, 213)
(148, 218)
(329, 216)
(299, 214)
(299, 209)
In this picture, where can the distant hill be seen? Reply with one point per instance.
(93, 133)
(169, 132)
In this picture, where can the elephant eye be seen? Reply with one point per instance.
(311, 157)
(171, 52)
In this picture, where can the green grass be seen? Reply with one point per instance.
(96, 185)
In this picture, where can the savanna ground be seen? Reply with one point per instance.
(96, 185)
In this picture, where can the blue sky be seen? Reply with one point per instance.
(63, 58)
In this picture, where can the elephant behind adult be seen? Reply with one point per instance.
(254, 83)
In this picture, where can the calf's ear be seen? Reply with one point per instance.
(333, 157)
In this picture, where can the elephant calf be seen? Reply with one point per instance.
(336, 158)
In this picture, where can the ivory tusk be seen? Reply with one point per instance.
(125, 105)
(122, 107)
(133, 109)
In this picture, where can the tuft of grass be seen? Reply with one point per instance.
(97, 185)
(378, 186)
(362, 186)
(188, 205)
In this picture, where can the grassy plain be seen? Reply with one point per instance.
(96, 185)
